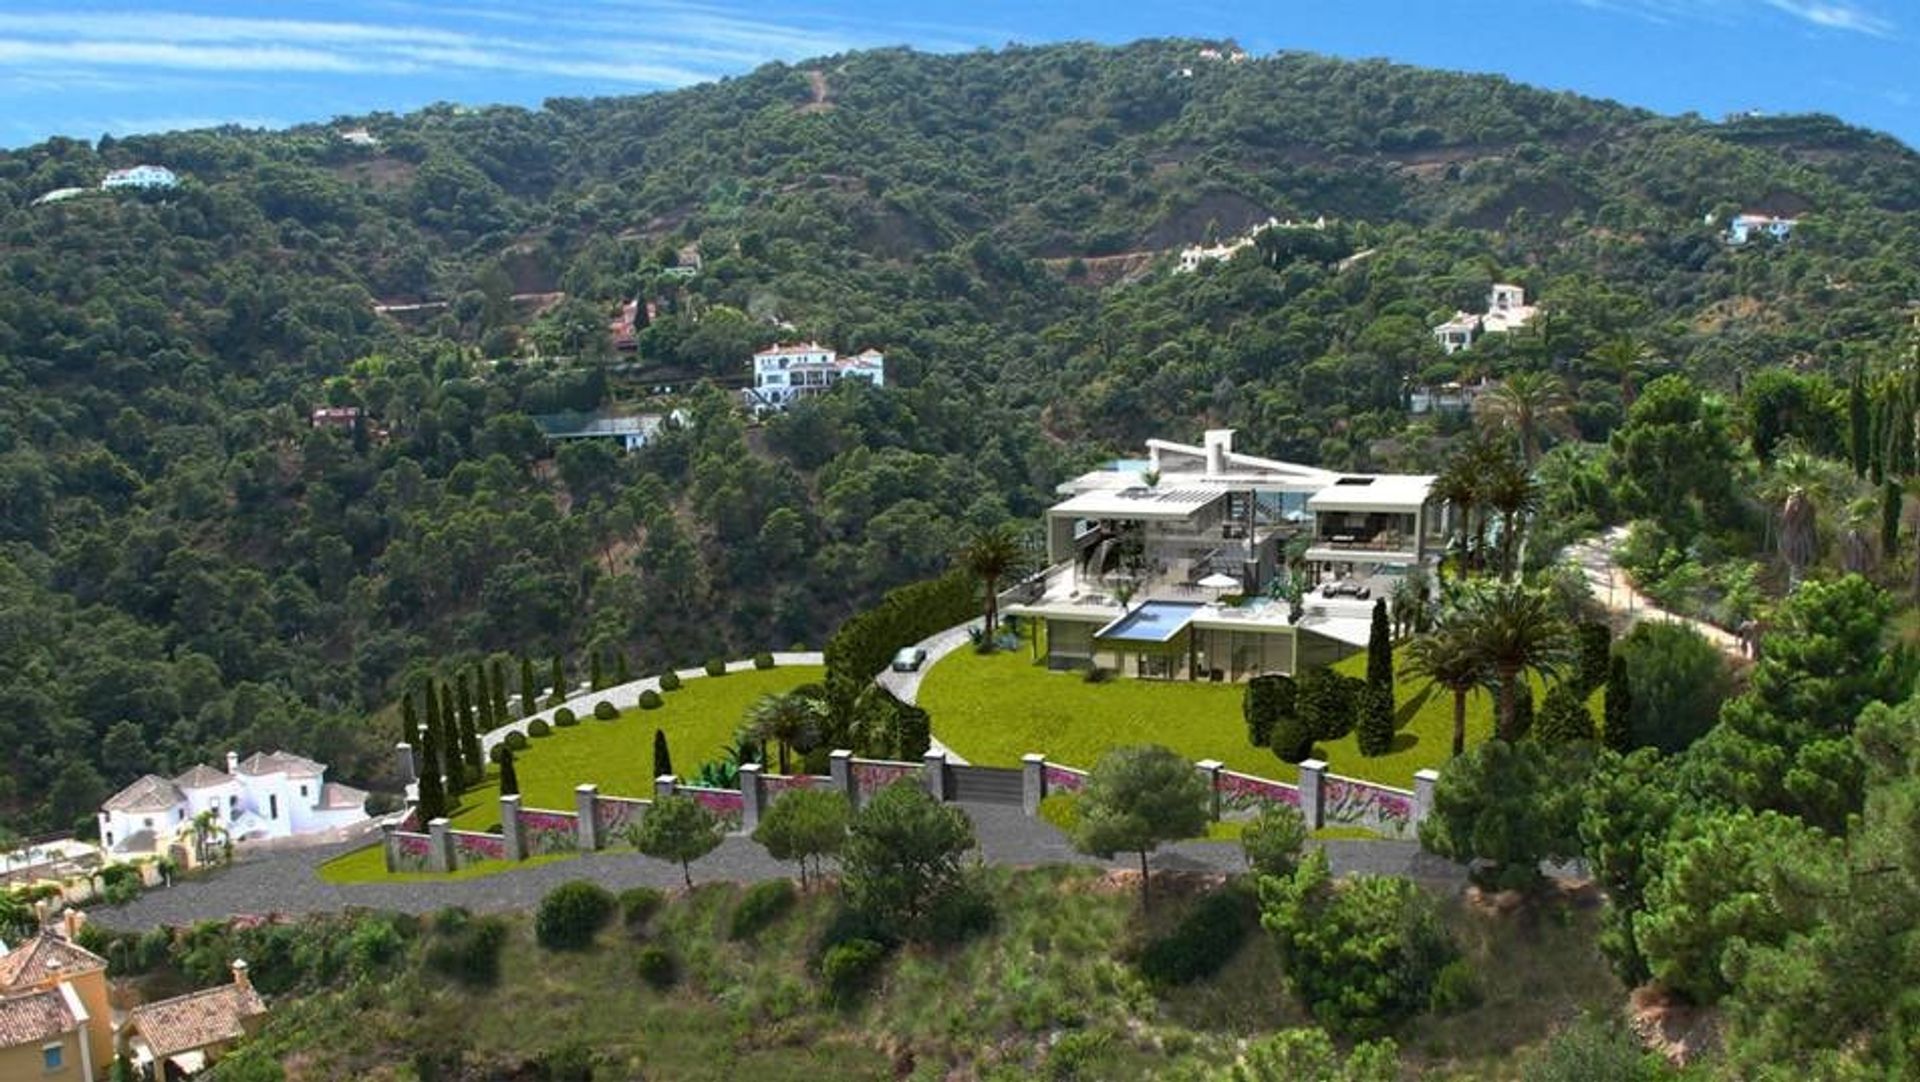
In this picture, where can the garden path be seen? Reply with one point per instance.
(905, 686)
(1615, 591)
(288, 883)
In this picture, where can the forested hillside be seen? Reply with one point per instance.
(189, 565)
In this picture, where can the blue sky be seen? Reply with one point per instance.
(82, 68)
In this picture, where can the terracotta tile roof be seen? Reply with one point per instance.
(197, 1019)
(202, 776)
(29, 964)
(279, 762)
(335, 795)
(33, 1017)
(151, 793)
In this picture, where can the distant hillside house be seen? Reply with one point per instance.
(1745, 227)
(631, 431)
(359, 137)
(1193, 255)
(625, 331)
(1444, 397)
(1507, 309)
(148, 177)
(342, 417)
(783, 374)
(268, 795)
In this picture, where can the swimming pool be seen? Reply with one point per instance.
(1152, 621)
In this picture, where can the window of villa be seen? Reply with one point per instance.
(148, 823)
(273, 806)
(303, 790)
(53, 1056)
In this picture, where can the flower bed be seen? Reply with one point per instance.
(549, 832)
(1355, 803)
(1246, 794)
(471, 848)
(1063, 779)
(726, 804)
(613, 816)
(410, 852)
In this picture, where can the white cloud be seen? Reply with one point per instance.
(1853, 16)
(1836, 15)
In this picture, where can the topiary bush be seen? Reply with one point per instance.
(499, 752)
(639, 904)
(716, 666)
(657, 967)
(651, 700)
(516, 740)
(669, 681)
(763, 660)
(1327, 701)
(563, 718)
(538, 727)
(850, 967)
(605, 711)
(1293, 738)
(763, 904)
(571, 913)
(1204, 940)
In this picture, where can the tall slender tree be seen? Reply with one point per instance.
(1380, 648)
(1859, 423)
(1616, 715)
(433, 795)
(558, 679)
(598, 670)
(1509, 490)
(662, 757)
(529, 701)
(509, 778)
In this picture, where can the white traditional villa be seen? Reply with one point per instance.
(1173, 566)
(1195, 254)
(1507, 309)
(266, 795)
(141, 176)
(785, 373)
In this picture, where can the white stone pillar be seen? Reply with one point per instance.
(1423, 783)
(586, 803)
(1312, 799)
(1210, 770)
(1033, 782)
(753, 793)
(934, 773)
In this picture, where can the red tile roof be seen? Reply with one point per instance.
(35, 1016)
(33, 962)
(197, 1019)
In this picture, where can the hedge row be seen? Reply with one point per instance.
(867, 641)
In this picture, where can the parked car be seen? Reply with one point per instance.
(909, 659)
(1346, 588)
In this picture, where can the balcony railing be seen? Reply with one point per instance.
(1376, 543)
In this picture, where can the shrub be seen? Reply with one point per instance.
(716, 666)
(1267, 699)
(639, 904)
(1595, 643)
(538, 728)
(499, 750)
(516, 740)
(1293, 738)
(465, 949)
(669, 681)
(657, 967)
(1100, 675)
(763, 904)
(1454, 988)
(1077, 1051)
(1564, 718)
(564, 718)
(605, 711)
(651, 700)
(1326, 700)
(571, 913)
(960, 915)
(849, 968)
(1273, 841)
(1204, 940)
(763, 660)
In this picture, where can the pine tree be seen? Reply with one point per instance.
(662, 758)
(599, 671)
(1380, 650)
(509, 779)
(1616, 720)
(528, 701)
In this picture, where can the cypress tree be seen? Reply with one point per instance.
(470, 731)
(451, 742)
(1859, 423)
(599, 670)
(1616, 722)
(1380, 650)
(559, 681)
(500, 715)
(431, 736)
(621, 674)
(1890, 500)
(509, 780)
(433, 797)
(1374, 729)
(528, 700)
(662, 758)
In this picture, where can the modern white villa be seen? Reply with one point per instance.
(783, 374)
(630, 431)
(266, 795)
(1170, 567)
(1746, 227)
(150, 177)
(1507, 309)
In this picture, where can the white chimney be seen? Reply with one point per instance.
(233, 762)
(1218, 442)
(240, 978)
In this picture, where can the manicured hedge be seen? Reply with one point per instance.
(571, 913)
(669, 681)
(763, 660)
(538, 727)
(516, 740)
(867, 642)
(716, 666)
(564, 717)
(605, 711)
(651, 700)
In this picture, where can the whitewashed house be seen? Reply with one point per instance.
(149, 177)
(267, 795)
(783, 374)
(1507, 309)
(1746, 227)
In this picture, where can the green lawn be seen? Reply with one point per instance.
(369, 865)
(993, 709)
(617, 755)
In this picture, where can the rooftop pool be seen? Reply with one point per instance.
(1153, 621)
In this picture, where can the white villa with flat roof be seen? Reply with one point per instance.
(1507, 309)
(141, 176)
(1171, 579)
(783, 374)
(265, 795)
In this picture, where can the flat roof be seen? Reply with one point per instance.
(1152, 621)
(1373, 492)
(1140, 502)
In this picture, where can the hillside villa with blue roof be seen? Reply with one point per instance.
(1171, 567)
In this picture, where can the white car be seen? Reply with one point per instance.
(909, 659)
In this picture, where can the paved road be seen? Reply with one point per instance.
(1613, 590)
(905, 686)
(287, 883)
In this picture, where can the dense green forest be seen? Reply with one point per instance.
(189, 565)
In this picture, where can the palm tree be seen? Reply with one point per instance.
(1621, 357)
(991, 555)
(1513, 629)
(1458, 487)
(1447, 656)
(1507, 488)
(207, 827)
(1527, 404)
(789, 720)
